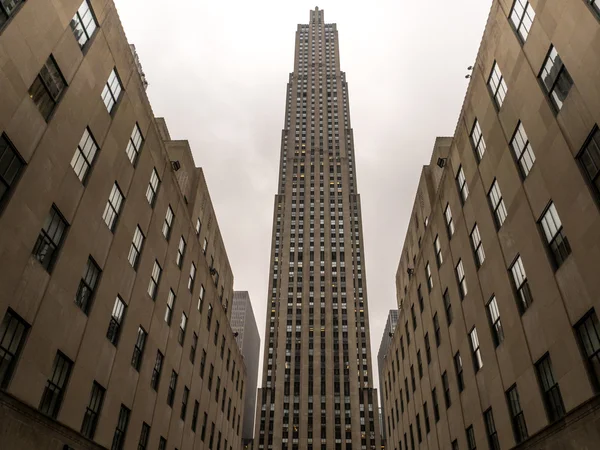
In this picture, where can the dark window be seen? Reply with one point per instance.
(7, 9)
(55, 386)
(412, 378)
(203, 429)
(184, 402)
(446, 386)
(414, 316)
(521, 16)
(551, 392)
(524, 297)
(429, 277)
(152, 190)
(588, 331)
(133, 149)
(138, 350)
(471, 444)
(50, 239)
(555, 78)
(420, 297)
(458, 366)
(154, 280)
(209, 316)
(156, 371)
(142, 444)
(419, 434)
(116, 319)
(475, 350)
(121, 429)
(497, 85)
(87, 286)
(195, 415)
(420, 364)
(84, 155)
(192, 277)
(494, 318)
(11, 164)
(447, 306)
(201, 298)
(83, 24)
(516, 415)
(555, 236)
(172, 387)
(202, 363)
(112, 91)
(490, 429)
(162, 444)
(90, 419)
(455, 444)
(436, 409)
(436, 328)
(427, 348)
(136, 247)
(47, 88)
(13, 331)
(426, 418)
(589, 159)
(170, 306)
(193, 348)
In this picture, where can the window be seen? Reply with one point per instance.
(556, 79)
(198, 226)
(471, 444)
(172, 387)
(414, 316)
(595, 4)
(192, 277)
(180, 252)
(426, 418)
(112, 91)
(436, 409)
(11, 164)
(446, 386)
(47, 88)
(184, 402)
(7, 9)
(193, 348)
(458, 366)
(116, 319)
(134, 146)
(154, 280)
(166, 229)
(136, 247)
(209, 316)
(204, 245)
(461, 182)
(497, 85)
(427, 348)
(113, 207)
(550, 390)
(497, 204)
(412, 378)
(121, 429)
(152, 188)
(447, 306)
(87, 286)
(522, 149)
(420, 297)
(201, 298)
(203, 430)
(436, 328)
(157, 370)
(50, 239)
(477, 140)
(144, 436)
(218, 388)
(13, 331)
(524, 297)
(490, 429)
(516, 415)
(90, 418)
(588, 331)
(462, 281)
(83, 158)
(589, 158)
(455, 444)
(553, 231)
(438, 251)
(202, 363)
(429, 277)
(55, 386)
(494, 317)
(210, 376)
(162, 444)
(195, 415)
(449, 221)
(475, 350)
(170, 306)
(138, 350)
(521, 16)
(477, 246)
(182, 328)
(83, 24)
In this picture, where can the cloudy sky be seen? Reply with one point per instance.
(218, 73)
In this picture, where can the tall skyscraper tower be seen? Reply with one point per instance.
(317, 382)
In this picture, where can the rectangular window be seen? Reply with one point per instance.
(455, 444)
(438, 251)
(426, 418)
(461, 279)
(588, 331)
(521, 16)
(471, 443)
(427, 348)
(204, 245)
(112, 91)
(113, 207)
(154, 280)
(494, 318)
(436, 329)
(209, 316)
(172, 387)
(182, 328)
(180, 252)
(555, 78)
(414, 316)
(218, 388)
(458, 366)
(516, 415)
(50, 239)
(87, 286)
(162, 444)
(497, 204)
(490, 429)
(478, 141)
(121, 429)
(210, 376)
(446, 386)
(522, 149)
(83, 158)
(412, 378)
(195, 415)
(7, 9)
(203, 429)
(192, 277)
(166, 229)
(152, 188)
(13, 331)
(497, 85)
(47, 88)
(436, 409)
(157, 370)
(550, 390)
(421, 302)
(11, 165)
(201, 298)
(116, 319)
(136, 248)
(420, 364)
(477, 246)
(55, 386)
(138, 350)
(429, 277)
(83, 24)
(589, 160)
(184, 402)
(202, 363)
(419, 434)
(524, 297)
(193, 348)
(145, 433)
(447, 306)
(92, 411)
(198, 226)
(461, 182)
(555, 236)
(475, 350)
(449, 221)
(170, 306)
(135, 145)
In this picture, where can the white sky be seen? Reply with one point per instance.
(218, 73)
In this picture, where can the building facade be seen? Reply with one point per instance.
(498, 341)
(317, 386)
(115, 284)
(243, 324)
(386, 339)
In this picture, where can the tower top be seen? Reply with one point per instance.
(317, 15)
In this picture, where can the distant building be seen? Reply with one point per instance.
(244, 324)
(386, 339)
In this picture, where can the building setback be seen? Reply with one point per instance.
(386, 339)
(317, 386)
(115, 284)
(497, 284)
(244, 326)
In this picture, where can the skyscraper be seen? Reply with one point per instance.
(317, 389)
(386, 340)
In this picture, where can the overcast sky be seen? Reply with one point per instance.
(218, 73)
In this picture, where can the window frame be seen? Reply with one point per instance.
(493, 313)
(523, 294)
(40, 82)
(490, 429)
(180, 252)
(561, 72)
(438, 251)
(134, 149)
(522, 150)
(138, 349)
(79, 17)
(499, 91)
(114, 326)
(590, 348)
(449, 220)
(558, 252)
(475, 350)
(121, 428)
(517, 417)
(477, 246)
(22, 330)
(107, 90)
(83, 301)
(499, 210)
(113, 211)
(45, 239)
(55, 388)
(461, 183)
(447, 306)
(478, 142)
(152, 189)
(593, 181)
(551, 394)
(513, 17)
(93, 411)
(461, 279)
(134, 250)
(157, 370)
(168, 223)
